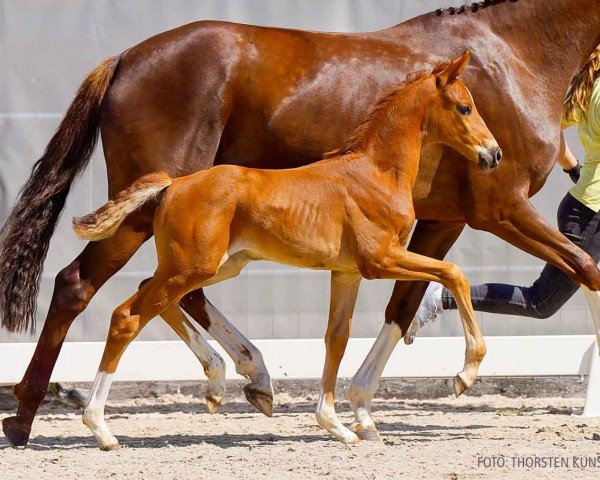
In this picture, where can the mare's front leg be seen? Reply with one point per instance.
(520, 224)
(593, 299)
(400, 264)
(344, 290)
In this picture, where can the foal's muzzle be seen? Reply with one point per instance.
(490, 157)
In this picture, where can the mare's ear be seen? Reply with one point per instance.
(447, 72)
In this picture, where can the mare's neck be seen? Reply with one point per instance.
(555, 35)
(551, 39)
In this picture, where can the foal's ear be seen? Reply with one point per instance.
(447, 72)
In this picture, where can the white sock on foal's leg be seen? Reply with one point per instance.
(247, 358)
(365, 382)
(328, 419)
(213, 365)
(93, 414)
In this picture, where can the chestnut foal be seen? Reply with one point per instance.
(350, 213)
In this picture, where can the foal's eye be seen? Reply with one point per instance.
(464, 110)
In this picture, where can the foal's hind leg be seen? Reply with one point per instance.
(127, 321)
(344, 290)
(213, 364)
(74, 288)
(247, 358)
(405, 265)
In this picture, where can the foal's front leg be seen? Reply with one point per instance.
(401, 264)
(344, 290)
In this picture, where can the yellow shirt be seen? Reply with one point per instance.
(587, 189)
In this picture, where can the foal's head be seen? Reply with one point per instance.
(453, 119)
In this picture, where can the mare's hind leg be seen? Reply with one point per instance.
(405, 265)
(74, 288)
(127, 321)
(344, 290)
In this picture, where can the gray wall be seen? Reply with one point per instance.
(47, 47)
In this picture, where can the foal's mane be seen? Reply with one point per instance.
(474, 7)
(358, 139)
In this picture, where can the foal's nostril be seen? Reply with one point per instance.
(498, 156)
(490, 157)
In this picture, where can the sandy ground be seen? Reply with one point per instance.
(170, 436)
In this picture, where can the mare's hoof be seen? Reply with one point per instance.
(212, 402)
(73, 397)
(368, 434)
(460, 386)
(16, 431)
(259, 398)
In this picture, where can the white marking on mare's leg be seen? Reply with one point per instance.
(593, 299)
(365, 382)
(93, 414)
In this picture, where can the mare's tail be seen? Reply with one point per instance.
(25, 236)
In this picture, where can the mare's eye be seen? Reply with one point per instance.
(464, 110)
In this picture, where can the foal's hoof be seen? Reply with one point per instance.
(460, 385)
(213, 402)
(110, 447)
(259, 398)
(368, 434)
(16, 431)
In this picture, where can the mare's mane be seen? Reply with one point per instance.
(474, 7)
(357, 140)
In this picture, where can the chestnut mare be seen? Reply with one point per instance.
(214, 92)
(350, 213)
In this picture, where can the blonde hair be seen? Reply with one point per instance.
(579, 92)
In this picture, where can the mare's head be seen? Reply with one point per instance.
(453, 120)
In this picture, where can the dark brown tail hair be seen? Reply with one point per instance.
(104, 222)
(26, 234)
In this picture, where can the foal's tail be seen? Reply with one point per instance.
(26, 234)
(104, 222)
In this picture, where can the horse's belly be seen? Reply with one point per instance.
(301, 251)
